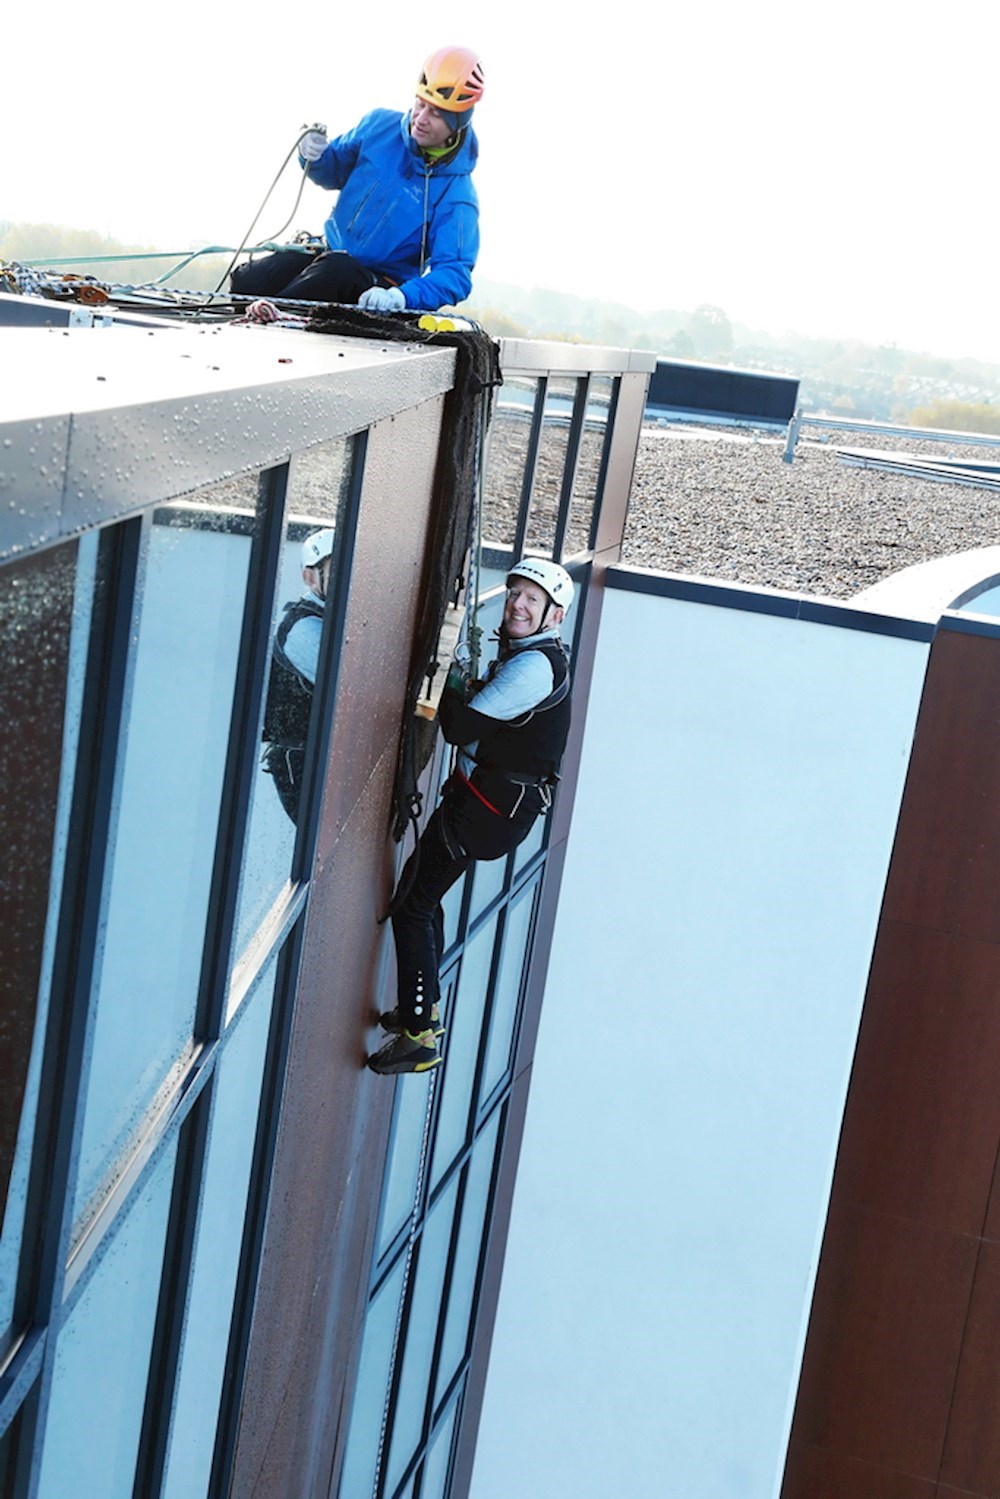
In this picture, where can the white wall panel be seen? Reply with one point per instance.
(738, 796)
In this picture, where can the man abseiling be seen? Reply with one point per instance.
(511, 730)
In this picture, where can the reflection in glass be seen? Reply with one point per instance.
(66, 575)
(464, 1019)
(102, 1358)
(217, 1252)
(489, 878)
(371, 1387)
(543, 513)
(465, 1271)
(507, 989)
(161, 864)
(509, 448)
(596, 431)
(421, 1329)
(317, 491)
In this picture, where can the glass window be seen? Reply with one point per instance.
(507, 989)
(451, 908)
(53, 591)
(217, 1251)
(435, 1478)
(465, 1272)
(535, 840)
(509, 445)
(317, 491)
(464, 1021)
(102, 1358)
(175, 745)
(411, 1108)
(589, 463)
(370, 1390)
(545, 494)
(488, 880)
(421, 1329)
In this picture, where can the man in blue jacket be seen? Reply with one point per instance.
(404, 231)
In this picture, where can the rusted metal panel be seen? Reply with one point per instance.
(900, 1385)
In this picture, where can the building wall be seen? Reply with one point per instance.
(252, 1265)
(900, 1387)
(742, 768)
(167, 898)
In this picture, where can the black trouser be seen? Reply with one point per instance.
(461, 831)
(304, 275)
(284, 762)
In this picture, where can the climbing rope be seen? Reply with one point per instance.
(305, 130)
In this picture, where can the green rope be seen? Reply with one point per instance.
(183, 257)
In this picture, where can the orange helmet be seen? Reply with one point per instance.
(452, 80)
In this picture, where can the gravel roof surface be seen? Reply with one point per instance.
(725, 505)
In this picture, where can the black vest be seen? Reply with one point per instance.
(289, 693)
(533, 744)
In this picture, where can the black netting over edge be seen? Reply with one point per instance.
(463, 428)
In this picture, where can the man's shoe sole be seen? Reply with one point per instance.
(398, 1070)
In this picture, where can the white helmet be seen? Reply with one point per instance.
(317, 547)
(555, 580)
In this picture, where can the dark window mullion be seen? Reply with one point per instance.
(576, 427)
(171, 1306)
(243, 750)
(427, 1425)
(530, 465)
(484, 1031)
(265, 1144)
(72, 1009)
(485, 1106)
(609, 432)
(426, 1201)
(328, 669)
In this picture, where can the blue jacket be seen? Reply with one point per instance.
(388, 191)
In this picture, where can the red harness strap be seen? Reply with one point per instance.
(478, 794)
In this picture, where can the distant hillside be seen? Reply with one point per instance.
(32, 242)
(839, 375)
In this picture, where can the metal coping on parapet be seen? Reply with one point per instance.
(783, 604)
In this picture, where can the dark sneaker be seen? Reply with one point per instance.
(406, 1053)
(390, 1021)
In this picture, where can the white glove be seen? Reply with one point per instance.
(312, 145)
(382, 299)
